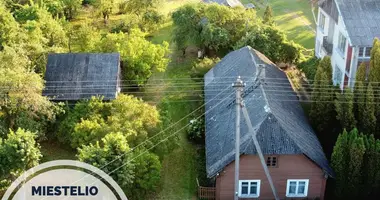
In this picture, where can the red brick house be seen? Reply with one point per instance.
(294, 156)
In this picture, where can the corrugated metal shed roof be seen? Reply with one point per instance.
(82, 75)
(275, 112)
(231, 3)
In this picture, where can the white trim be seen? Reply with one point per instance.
(249, 188)
(297, 181)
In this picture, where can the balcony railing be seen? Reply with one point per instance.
(328, 46)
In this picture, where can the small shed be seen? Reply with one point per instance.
(76, 76)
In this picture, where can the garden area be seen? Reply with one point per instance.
(163, 71)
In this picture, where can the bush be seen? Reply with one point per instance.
(202, 67)
(128, 23)
(196, 130)
(151, 20)
(88, 2)
(123, 7)
(309, 67)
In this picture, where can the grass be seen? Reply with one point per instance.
(53, 150)
(178, 175)
(179, 171)
(295, 17)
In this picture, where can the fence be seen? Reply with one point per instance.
(206, 193)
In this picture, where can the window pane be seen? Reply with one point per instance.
(301, 187)
(244, 188)
(342, 43)
(322, 22)
(368, 52)
(269, 161)
(361, 51)
(292, 187)
(253, 188)
(338, 76)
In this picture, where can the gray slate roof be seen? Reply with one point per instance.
(81, 76)
(231, 3)
(275, 112)
(362, 20)
(329, 6)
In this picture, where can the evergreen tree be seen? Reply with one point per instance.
(360, 93)
(339, 163)
(371, 163)
(344, 106)
(322, 107)
(356, 154)
(268, 16)
(368, 119)
(374, 76)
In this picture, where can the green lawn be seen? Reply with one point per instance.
(179, 171)
(295, 17)
(179, 167)
(53, 150)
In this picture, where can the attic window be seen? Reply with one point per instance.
(272, 161)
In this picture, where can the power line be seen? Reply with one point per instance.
(147, 150)
(149, 139)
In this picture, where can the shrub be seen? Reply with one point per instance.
(128, 23)
(123, 7)
(151, 21)
(309, 67)
(202, 67)
(88, 2)
(196, 130)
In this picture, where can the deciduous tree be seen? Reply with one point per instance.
(18, 152)
(140, 57)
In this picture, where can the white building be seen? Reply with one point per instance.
(345, 31)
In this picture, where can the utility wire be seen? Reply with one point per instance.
(149, 139)
(147, 150)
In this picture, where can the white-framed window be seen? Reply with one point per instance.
(338, 75)
(249, 188)
(342, 43)
(322, 21)
(365, 52)
(297, 187)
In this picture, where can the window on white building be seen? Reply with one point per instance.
(249, 188)
(338, 75)
(342, 43)
(365, 52)
(297, 187)
(322, 21)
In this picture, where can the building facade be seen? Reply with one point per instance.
(294, 176)
(345, 31)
